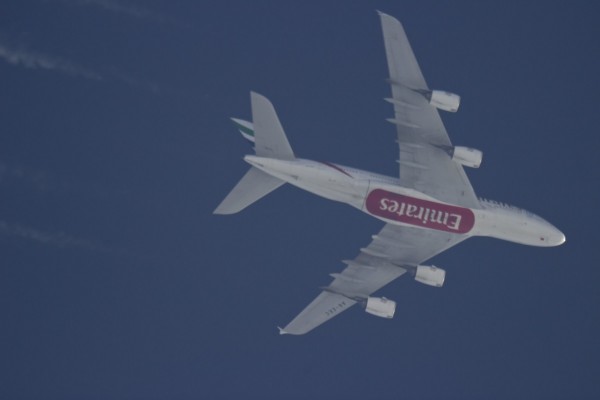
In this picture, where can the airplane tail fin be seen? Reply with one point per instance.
(269, 139)
(265, 131)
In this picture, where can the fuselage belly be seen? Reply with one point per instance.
(386, 199)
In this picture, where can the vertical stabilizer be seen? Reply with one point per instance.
(269, 137)
(269, 141)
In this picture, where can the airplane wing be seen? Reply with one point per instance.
(391, 253)
(425, 164)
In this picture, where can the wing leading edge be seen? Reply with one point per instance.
(425, 163)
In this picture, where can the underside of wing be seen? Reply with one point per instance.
(326, 306)
(425, 160)
(392, 252)
(426, 164)
(407, 246)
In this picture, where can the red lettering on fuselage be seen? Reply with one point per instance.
(419, 212)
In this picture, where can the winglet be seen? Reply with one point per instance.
(281, 331)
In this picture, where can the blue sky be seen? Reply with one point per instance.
(117, 282)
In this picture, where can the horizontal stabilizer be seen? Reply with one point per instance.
(252, 187)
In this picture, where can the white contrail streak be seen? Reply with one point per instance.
(39, 180)
(57, 239)
(21, 57)
(128, 9)
(33, 60)
(120, 7)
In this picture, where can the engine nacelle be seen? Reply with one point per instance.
(430, 275)
(444, 100)
(381, 307)
(467, 156)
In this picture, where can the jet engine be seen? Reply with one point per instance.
(467, 156)
(430, 275)
(443, 100)
(381, 307)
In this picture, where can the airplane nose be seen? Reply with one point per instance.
(557, 238)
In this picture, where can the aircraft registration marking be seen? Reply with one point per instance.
(419, 212)
(335, 308)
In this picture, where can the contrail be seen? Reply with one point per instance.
(40, 180)
(57, 239)
(33, 60)
(49, 183)
(128, 9)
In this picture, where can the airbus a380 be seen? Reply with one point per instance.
(429, 208)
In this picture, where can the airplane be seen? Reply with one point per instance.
(429, 208)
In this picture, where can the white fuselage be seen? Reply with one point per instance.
(385, 198)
